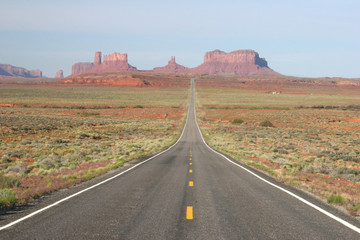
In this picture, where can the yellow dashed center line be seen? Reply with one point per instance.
(189, 213)
(189, 209)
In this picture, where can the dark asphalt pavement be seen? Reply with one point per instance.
(188, 192)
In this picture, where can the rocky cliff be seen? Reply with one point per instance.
(115, 57)
(115, 62)
(172, 67)
(237, 57)
(12, 71)
(82, 67)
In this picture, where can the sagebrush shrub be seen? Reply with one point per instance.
(266, 123)
(238, 120)
(8, 182)
(7, 198)
(336, 199)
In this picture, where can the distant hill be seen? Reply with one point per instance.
(12, 71)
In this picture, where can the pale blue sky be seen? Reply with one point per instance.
(311, 38)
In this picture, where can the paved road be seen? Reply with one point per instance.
(188, 192)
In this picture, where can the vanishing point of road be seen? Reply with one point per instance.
(186, 192)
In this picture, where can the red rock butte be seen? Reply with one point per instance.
(59, 74)
(240, 62)
(172, 67)
(115, 62)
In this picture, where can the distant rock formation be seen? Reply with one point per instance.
(115, 62)
(172, 67)
(59, 74)
(82, 67)
(36, 73)
(240, 62)
(12, 71)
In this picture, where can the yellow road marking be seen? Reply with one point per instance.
(189, 213)
(190, 171)
(191, 183)
(190, 164)
(190, 159)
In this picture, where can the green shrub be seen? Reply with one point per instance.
(84, 135)
(237, 120)
(266, 123)
(8, 182)
(336, 199)
(138, 106)
(86, 114)
(7, 198)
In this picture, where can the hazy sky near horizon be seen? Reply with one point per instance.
(309, 38)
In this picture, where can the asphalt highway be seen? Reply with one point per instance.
(187, 192)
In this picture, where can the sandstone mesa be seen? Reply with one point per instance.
(115, 62)
(12, 71)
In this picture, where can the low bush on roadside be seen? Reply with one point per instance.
(8, 182)
(336, 199)
(7, 198)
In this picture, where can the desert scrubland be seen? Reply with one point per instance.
(303, 132)
(53, 136)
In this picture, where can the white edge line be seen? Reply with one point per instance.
(98, 184)
(347, 224)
